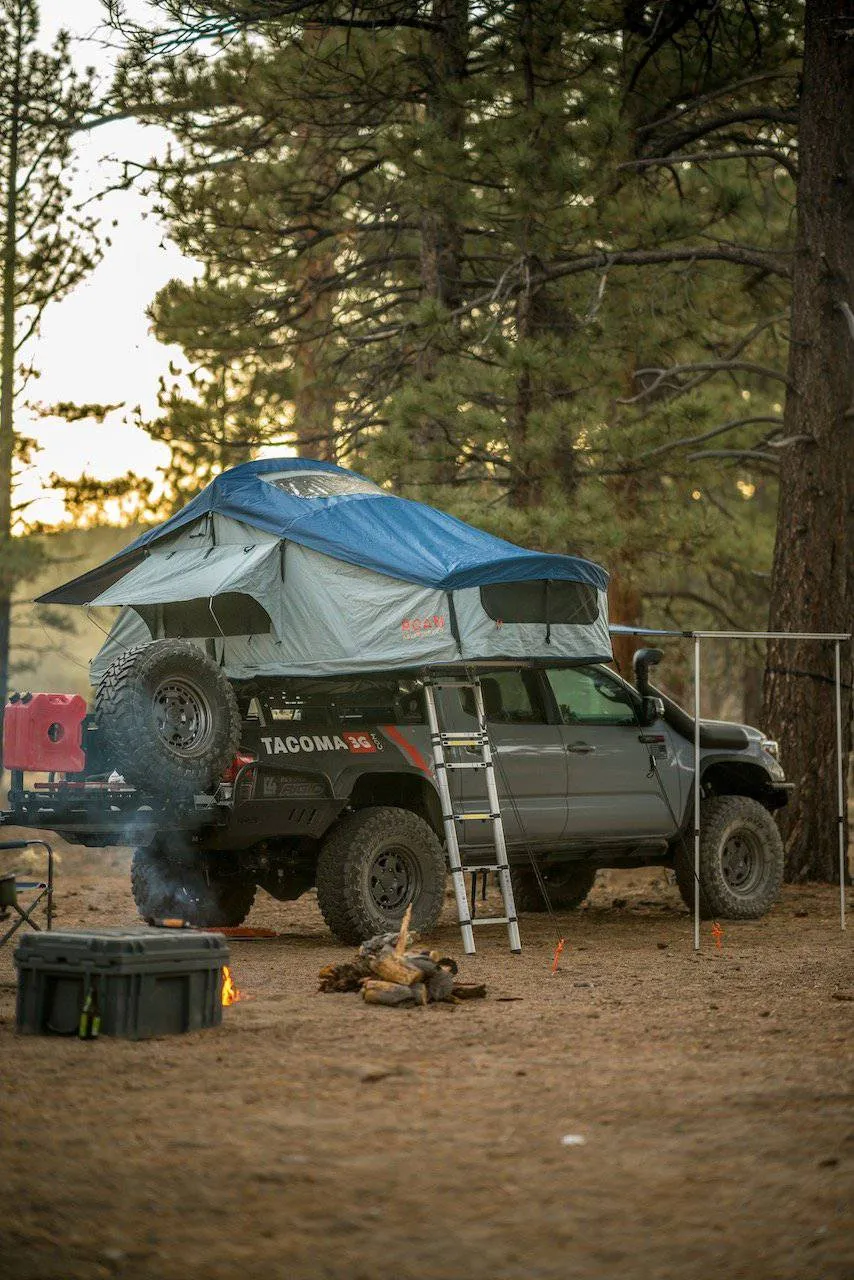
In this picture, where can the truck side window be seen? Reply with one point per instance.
(589, 695)
(509, 697)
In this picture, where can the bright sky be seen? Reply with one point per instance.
(95, 346)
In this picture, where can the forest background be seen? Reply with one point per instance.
(540, 263)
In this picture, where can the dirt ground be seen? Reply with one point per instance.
(315, 1136)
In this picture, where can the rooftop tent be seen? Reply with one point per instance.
(292, 567)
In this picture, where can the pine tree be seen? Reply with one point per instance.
(46, 247)
(543, 267)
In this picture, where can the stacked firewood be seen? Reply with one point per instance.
(387, 972)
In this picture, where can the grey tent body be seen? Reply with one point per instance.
(273, 601)
(269, 607)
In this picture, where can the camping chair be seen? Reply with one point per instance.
(10, 885)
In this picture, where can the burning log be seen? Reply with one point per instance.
(392, 969)
(469, 991)
(342, 977)
(376, 991)
(387, 973)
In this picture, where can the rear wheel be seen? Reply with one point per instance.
(567, 886)
(741, 860)
(372, 866)
(173, 880)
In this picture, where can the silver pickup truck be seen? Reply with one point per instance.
(288, 783)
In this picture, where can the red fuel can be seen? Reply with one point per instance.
(42, 732)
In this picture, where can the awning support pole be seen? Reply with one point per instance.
(696, 793)
(840, 788)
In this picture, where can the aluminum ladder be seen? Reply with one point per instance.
(442, 741)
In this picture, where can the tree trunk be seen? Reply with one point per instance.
(315, 398)
(813, 577)
(7, 373)
(625, 603)
(751, 685)
(441, 237)
(625, 598)
(537, 313)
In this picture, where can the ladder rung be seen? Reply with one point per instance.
(493, 919)
(466, 764)
(476, 817)
(491, 866)
(462, 739)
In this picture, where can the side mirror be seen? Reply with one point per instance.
(653, 709)
(642, 661)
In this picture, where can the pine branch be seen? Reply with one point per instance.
(700, 157)
(685, 441)
(754, 455)
(736, 254)
(699, 366)
(694, 597)
(702, 100)
(774, 115)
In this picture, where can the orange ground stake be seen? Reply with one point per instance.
(717, 934)
(560, 946)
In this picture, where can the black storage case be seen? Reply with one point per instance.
(146, 982)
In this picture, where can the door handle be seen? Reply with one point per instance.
(580, 748)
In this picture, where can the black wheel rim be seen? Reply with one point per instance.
(741, 861)
(182, 716)
(392, 879)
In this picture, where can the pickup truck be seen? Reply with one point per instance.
(222, 786)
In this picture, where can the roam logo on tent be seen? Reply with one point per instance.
(359, 743)
(418, 626)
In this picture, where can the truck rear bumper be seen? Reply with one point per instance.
(99, 816)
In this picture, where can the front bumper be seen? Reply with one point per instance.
(778, 793)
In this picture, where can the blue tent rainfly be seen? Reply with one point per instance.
(292, 566)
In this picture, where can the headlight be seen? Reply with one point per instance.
(772, 747)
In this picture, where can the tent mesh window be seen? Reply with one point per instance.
(541, 601)
(320, 484)
(231, 614)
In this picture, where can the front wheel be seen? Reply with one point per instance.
(741, 860)
(372, 865)
(172, 880)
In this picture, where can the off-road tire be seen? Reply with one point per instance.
(171, 881)
(145, 748)
(348, 887)
(726, 823)
(567, 886)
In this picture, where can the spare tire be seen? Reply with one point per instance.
(169, 718)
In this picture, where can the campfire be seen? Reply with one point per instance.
(230, 992)
(387, 973)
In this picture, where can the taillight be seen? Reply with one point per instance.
(236, 765)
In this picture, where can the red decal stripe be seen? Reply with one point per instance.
(414, 754)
